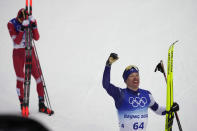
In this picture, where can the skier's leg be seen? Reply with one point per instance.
(36, 72)
(18, 62)
(37, 76)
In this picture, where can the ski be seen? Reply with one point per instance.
(28, 63)
(169, 81)
(169, 98)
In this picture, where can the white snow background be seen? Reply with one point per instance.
(76, 38)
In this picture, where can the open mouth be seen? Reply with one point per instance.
(136, 82)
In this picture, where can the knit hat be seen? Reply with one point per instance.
(129, 70)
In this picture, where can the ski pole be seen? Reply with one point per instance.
(160, 67)
(39, 70)
(42, 77)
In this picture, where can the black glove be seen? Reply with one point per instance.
(112, 58)
(174, 108)
(32, 21)
(22, 28)
(33, 25)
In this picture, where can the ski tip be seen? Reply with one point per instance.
(30, 2)
(176, 41)
(173, 44)
(26, 2)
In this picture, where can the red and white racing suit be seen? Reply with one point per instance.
(18, 37)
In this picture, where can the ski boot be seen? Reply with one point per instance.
(44, 109)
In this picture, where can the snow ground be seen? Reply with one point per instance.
(76, 39)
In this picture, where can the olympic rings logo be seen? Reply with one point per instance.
(137, 101)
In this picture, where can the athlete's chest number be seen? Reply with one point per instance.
(137, 125)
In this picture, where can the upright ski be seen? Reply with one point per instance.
(28, 63)
(169, 82)
(169, 98)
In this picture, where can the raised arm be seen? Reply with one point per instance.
(112, 90)
(35, 32)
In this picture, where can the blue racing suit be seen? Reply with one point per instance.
(132, 106)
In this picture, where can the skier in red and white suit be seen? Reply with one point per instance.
(16, 28)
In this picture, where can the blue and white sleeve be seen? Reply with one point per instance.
(160, 110)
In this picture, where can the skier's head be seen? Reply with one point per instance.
(21, 15)
(131, 77)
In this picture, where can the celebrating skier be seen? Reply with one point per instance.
(132, 103)
(16, 27)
